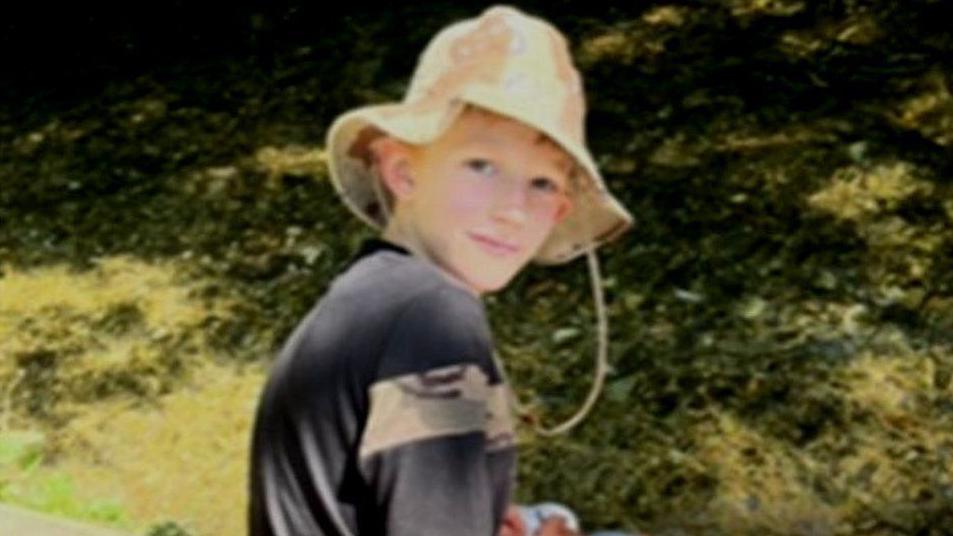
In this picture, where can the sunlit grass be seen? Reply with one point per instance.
(184, 460)
(764, 485)
(113, 369)
(165, 302)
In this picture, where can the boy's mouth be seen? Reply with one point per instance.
(495, 247)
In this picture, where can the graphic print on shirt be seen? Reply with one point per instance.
(445, 401)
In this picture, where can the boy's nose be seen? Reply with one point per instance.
(511, 202)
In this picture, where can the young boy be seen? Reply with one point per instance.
(385, 413)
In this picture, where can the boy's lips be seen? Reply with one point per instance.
(495, 246)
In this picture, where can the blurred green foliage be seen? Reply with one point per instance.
(23, 481)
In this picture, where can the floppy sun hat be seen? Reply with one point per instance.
(503, 61)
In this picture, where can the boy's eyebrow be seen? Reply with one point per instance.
(562, 163)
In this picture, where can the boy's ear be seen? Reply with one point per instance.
(394, 165)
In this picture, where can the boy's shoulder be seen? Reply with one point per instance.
(405, 309)
(386, 277)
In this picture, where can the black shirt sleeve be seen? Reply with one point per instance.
(423, 450)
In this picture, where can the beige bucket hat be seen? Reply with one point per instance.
(503, 61)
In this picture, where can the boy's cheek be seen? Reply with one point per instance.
(466, 200)
(562, 211)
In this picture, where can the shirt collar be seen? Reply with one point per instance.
(374, 244)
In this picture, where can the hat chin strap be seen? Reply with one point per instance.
(601, 357)
(602, 330)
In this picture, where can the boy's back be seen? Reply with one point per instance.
(385, 411)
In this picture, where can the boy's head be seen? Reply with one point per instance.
(480, 200)
(502, 81)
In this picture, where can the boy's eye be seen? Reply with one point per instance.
(481, 166)
(545, 184)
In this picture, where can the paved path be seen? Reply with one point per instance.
(15, 521)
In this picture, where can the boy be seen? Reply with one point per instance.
(385, 413)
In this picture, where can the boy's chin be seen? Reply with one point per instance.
(490, 285)
(494, 275)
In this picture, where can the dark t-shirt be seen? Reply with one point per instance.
(384, 413)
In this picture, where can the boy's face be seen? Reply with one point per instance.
(484, 197)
